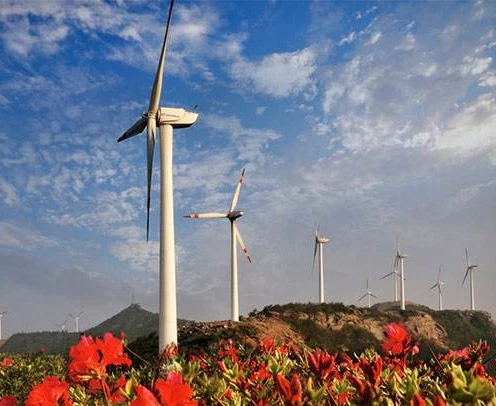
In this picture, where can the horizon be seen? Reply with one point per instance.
(373, 120)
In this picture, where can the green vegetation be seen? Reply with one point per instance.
(27, 371)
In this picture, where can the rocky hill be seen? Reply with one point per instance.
(336, 327)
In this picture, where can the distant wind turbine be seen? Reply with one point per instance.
(232, 215)
(167, 119)
(470, 270)
(76, 319)
(319, 245)
(62, 326)
(439, 284)
(1, 317)
(368, 293)
(396, 275)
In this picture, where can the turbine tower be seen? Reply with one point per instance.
(1, 317)
(232, 215)
(76, 319)
(368, 293)
(400, 262)
(319, 244)
(439, 284)
(167, 119)
(470, 270)
(395, 274)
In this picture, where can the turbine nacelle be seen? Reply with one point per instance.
(233, 215)
(176, 117)
(322, 240)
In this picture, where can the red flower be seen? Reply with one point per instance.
(91, 357)
(173, 391)
(322, 364)
(6, 362)
(8, 401)
(291, 391)
(439, 401)
(51, 392)
(144, 397)
(417, 400)
(397, 339)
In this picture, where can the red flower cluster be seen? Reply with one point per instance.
(91, 357)
(51, 392)
(397, 341)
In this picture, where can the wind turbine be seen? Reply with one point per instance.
(395, 274)
(62, 326)
(399, 262)
(1, 317)
(167, 119)
(76, 319)
(319, 244)
(368, 293)
(232, 215)
(470, 270)
(439, 285)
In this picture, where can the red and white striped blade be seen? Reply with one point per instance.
(237, 191)
(241, 242)
(206, 216)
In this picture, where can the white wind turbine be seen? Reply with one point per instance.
(167, 119)
(319, 244)
(76, 319)
(62, 326)
(439, 285)
(470, 270)
(368, 293)
(396, 275)
(1, 317)
(232, 215)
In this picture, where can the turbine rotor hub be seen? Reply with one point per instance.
(233, 215)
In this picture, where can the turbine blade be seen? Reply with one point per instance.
(439, 272)
(389, 274)
(206, 216)
(374, 296)
(433, 286)
(150, 149)
(157, 84)
(237, 191)
(466, 257)
(465, 277)
(241, 243)
(135, 129)
(314, 254)
(362, 297)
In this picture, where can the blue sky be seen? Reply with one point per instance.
(375, 120)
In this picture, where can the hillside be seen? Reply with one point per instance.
(336, 327)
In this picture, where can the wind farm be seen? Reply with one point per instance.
(348, 126)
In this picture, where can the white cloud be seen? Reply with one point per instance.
(140, 255)
(16, 237)
(471, 131)
(279, 75)
(407, 43)
(8, 193)
(351, 37)
(475, 66)
(376, 36)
